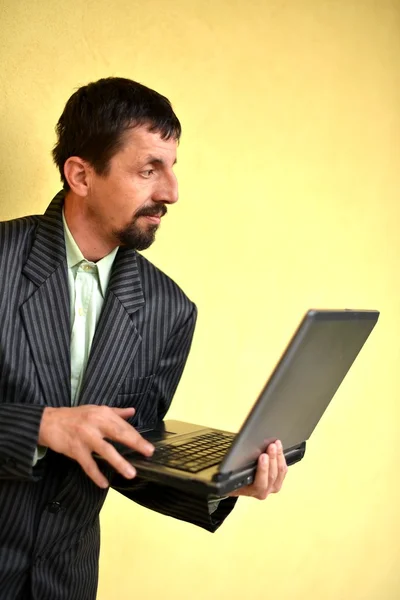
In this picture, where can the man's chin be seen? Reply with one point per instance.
(138, 239)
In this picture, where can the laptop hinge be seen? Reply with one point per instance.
(293, 455)
(220, 477)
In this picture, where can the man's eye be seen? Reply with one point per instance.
(148, 173)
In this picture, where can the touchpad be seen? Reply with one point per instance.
(156, 435)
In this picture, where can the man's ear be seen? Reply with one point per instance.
(77, 173)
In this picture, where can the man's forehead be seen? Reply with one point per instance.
(149, 146)
(143, 138)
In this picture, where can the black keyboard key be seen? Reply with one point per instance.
(196, 454)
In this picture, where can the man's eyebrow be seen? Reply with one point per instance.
(154, 160)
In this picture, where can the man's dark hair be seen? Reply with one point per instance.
(97, 115)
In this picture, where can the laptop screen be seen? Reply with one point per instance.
(303, 383)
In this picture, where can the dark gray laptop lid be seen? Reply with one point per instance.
(303, 383)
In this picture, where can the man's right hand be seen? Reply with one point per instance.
(78, 431)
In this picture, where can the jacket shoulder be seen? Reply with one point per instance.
(156, 282)
(15, 230)
(16, 235)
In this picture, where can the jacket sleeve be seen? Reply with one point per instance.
(163, 499)
(19, 431)
(19, 421)
(166, 500)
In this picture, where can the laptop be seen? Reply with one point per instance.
(209, 461)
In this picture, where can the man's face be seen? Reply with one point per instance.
(127, 204)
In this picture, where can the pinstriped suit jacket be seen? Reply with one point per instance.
(49, 525)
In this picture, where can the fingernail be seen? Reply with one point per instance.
(264, 459)
(149, 448)
(104, 484)
(273, 449)
(278, 445)
(130, 471)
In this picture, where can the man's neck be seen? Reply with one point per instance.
(93, 245)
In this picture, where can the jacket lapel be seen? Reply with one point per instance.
(45, 314)
(46, 318)
(116, 340)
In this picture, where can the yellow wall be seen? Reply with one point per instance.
(289, 173)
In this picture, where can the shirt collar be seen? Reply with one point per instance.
(75, 257)
(104, 267)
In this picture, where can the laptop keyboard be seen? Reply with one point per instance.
(198, 453)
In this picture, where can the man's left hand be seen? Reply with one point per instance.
(270, 473)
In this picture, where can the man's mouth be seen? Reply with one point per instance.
(155, 219)
(153, 216)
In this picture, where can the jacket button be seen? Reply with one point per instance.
(54, 507)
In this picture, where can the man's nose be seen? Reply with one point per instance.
(168, 190)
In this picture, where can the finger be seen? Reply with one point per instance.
(259, 487)
(273, 467)
(124, 413)
(91, 469)
(282, 467)
(119, 430)
(114, 458)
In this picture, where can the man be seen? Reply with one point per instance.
(93, 340)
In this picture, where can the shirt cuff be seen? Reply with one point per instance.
(40, 452)
(213, 503)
